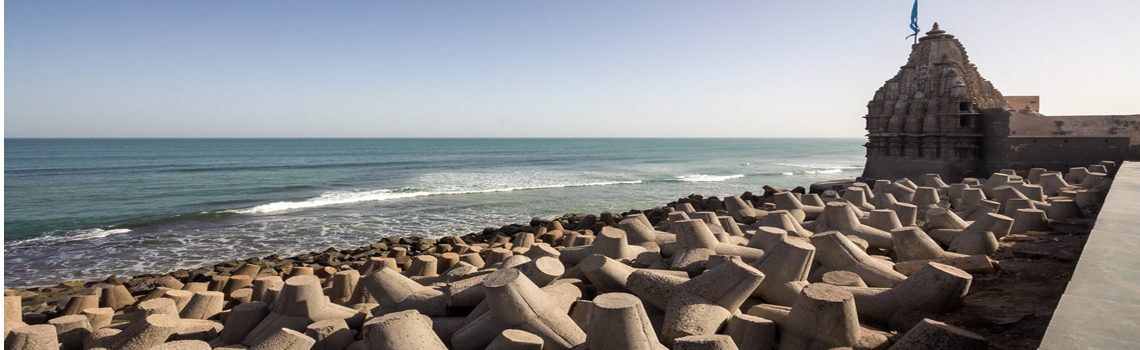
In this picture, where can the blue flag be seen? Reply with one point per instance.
(914, 20)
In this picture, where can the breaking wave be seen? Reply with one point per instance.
(347, 197)
(708, 178)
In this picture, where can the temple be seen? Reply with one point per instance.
(938, 115)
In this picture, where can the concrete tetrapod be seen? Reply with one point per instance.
(163, 306)
(407, 329)
(241, 320)
(139, 335)
(610, 276)
(996, 180)
(712, 222)
(855, 196)
(423, 266)
(78, 303)
(933, 335)
(971, 242)
(343, 286)
(696, 243)
(1076, 174)
(611, 242)
(99, 317)
(954, 194)
(843, 279)
(640, 231)
(302, 296)
(1062, 209)
(788, 201)
(70, 330)
(300, 303)
(785, 268)
(330, 334)
(934, 180)
(740, 209)
(204, 305)
(765, 238)
(751, 332)
(564, 294)
(13, 313)
(732, 228)
(933, 289)
(183, 345)
(1026, 220)
(980, 209)
(884, 200)
(618, 321)
(397, 292)
(698, 306)
(884, 219)
(1035, 193)
(35, 337)
(513, 301)
(999, 224)
(514, 339)
(264, 287)
(823, 317)
(1051, 182)
(912, 244)
(116, 297)
(285, 339)
(925, 198)
(939, 217)
(783, 219)
(465, 292)
(542, 271)
(839, 216)
(901, 191)
(836, 252)
(906, 212)
(705, 342)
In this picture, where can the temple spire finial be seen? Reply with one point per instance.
(934, 30)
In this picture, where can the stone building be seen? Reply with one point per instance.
(938, 115)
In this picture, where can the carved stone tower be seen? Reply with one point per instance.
(931, 116)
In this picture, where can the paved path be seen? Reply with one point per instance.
(1101, 305)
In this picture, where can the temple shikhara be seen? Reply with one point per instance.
(938, 115)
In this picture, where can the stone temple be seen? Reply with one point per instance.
(938, 115)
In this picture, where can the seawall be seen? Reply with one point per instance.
(1100, 308)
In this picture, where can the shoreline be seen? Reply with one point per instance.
(1018, 256)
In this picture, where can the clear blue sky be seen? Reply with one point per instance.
(528, 68)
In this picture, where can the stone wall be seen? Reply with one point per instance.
(1062, 153)
(1035, 125)
(1022, 102)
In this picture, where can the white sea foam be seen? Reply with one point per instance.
(346, 197)
(708, 178)
(827, 171)
(73, 235)
(821, 165)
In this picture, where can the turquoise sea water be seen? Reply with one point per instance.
(90, 208)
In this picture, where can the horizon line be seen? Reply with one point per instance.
(418, 137)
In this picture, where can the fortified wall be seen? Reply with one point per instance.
(938, 115)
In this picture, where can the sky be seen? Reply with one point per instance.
(659, 68)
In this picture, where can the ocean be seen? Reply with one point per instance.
(90, 208)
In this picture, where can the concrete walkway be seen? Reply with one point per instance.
(1101, 305)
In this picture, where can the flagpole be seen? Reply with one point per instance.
(914, 22)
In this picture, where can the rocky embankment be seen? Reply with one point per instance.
(901, 264)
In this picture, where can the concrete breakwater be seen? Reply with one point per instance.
(859, 266)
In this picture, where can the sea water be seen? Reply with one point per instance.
(90, 208)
